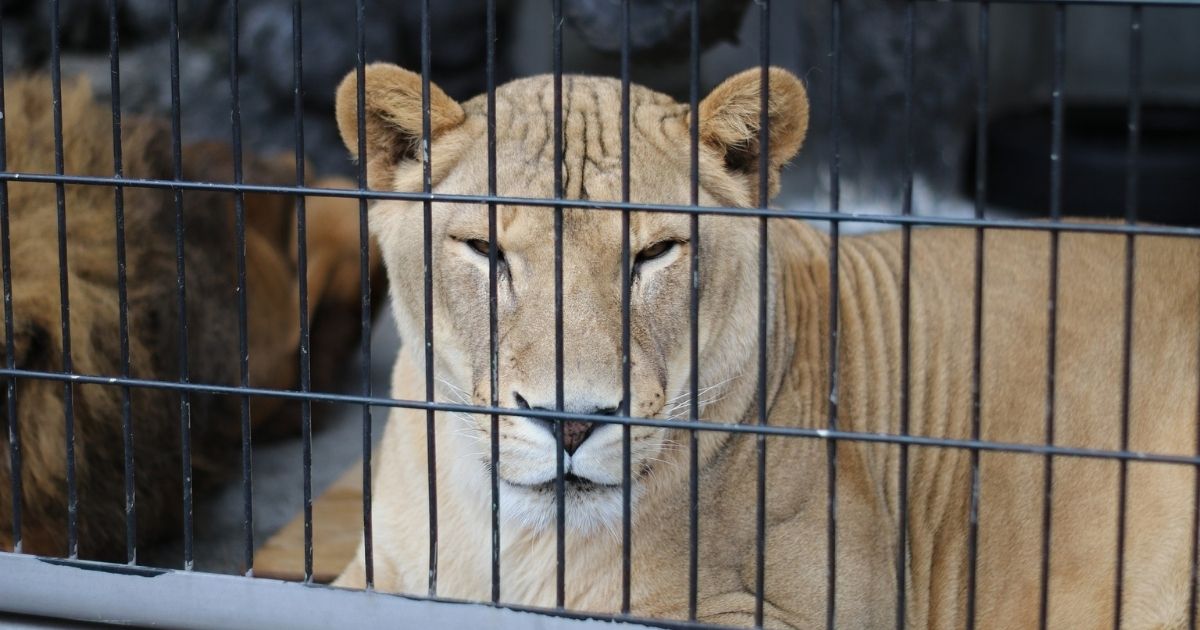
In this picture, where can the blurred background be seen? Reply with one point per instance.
(873, 41)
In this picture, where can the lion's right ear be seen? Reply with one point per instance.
(730, 118)
(393, 118)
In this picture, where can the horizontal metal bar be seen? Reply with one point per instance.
(1115, 3)
(715, 426)
(837, 217)
(121, 594)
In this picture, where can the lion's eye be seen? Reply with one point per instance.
(480, 246)
(655, 251)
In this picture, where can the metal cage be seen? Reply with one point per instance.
(84, 590)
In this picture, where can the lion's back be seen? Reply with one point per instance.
(1056, 332)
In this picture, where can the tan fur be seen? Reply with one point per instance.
(272, 298)
(1162, 409)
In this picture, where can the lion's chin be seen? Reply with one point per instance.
(591, 509)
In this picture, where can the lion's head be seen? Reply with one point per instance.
(660, 270)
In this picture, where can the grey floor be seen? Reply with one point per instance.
(23, 622)
(278, 482)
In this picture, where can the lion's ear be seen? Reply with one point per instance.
(393, 118)
(730, 121)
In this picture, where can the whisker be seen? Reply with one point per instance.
(459, 394)
(705, 390)
(448, 384)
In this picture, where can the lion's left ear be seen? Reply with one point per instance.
(730, 121)
(393, 118)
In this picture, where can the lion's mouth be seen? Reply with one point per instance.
(571, 481)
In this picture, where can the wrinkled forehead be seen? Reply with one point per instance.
(591, 162)
(652, 178)
(592, 142)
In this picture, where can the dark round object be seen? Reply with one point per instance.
(13, 8)
(1095, 162)
(82, 24)
(151, 19)
(329, 46)
(657, 27)
(24, 46)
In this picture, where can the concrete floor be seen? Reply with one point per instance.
(23, 622)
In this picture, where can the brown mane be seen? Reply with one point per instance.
(153, 323)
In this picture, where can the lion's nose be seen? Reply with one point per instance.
(574, 432)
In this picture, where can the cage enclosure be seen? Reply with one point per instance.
(636, 364)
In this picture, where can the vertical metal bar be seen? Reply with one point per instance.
(302, 275)
(114, 63)
(493, 310)
(905, 320)
(63, 284)
(14, 432)
(427, 187)
(185, 404)
(1195, 559)
(239, 214)
(1131, 200)
(559, 481)
(626, 279)
(835, 27)
(694, 316)
(1060, 34)
(764, 166)
(364, 287)
(981, 115)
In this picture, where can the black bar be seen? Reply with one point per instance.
(427, 186)
(302, 275)
(831, 445)
(185, 405)
(493, 306)
(905, 319)
(559, 481)
(1060, 32)
(626, 279)
(63, 285)
(981, 115)
(1131, 199)
(239, 206)
(848, 217)
(1123, 3)
(1195, 559)
(14, 432)
(694, 315)
(114, 62)
(715, 425)
(764, 165)
(364, 288)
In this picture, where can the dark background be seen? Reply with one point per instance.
(873, 41)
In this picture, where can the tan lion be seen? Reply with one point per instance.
(1088, 384)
